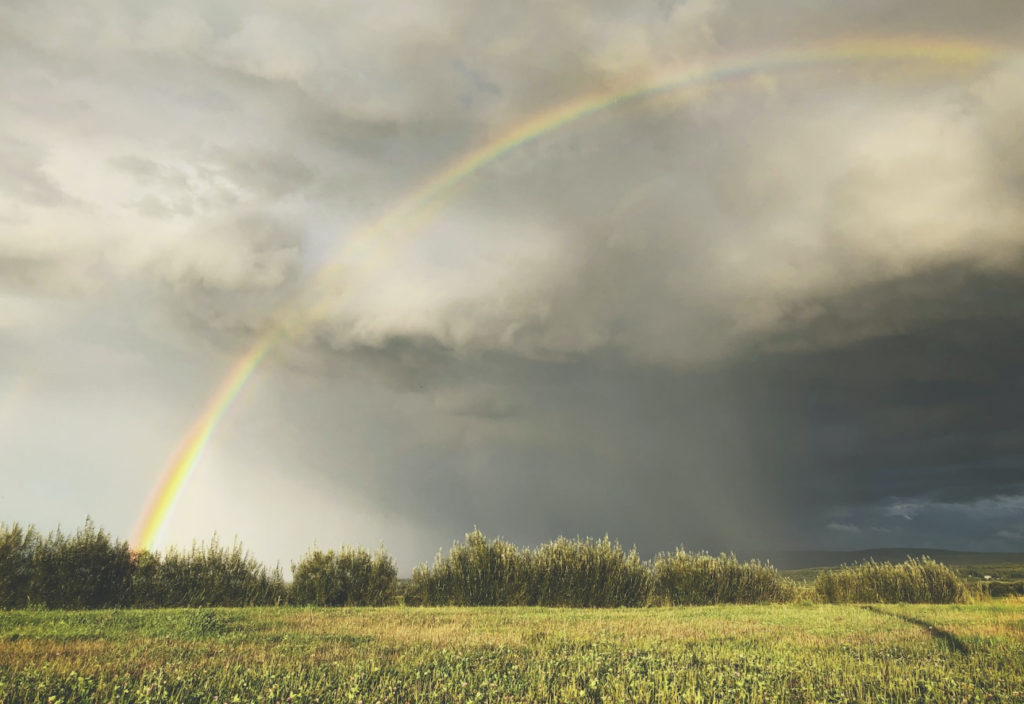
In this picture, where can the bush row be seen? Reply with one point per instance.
(589, 573)
(91, 570)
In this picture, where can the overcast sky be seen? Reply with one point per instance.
(785, 311)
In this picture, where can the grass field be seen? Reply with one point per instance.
(788, 653)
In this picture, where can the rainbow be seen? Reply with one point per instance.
(172, 482)
(416, 207)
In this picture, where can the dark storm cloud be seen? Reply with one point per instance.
(535, 449)
(909, 435)
(992, 523)
(924, 408)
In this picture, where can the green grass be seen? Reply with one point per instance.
(780, 653)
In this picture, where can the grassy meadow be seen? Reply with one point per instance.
(724, 653)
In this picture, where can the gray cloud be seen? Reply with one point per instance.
(249, 251)
(23, 177)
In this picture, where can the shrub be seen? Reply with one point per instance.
(1002, 588)
(86, 570)
(476, 573)
(560, 573)
(349, 577)
(699, 578)
(17, 546)
(588, 573)
(207, 575)
(913, 581)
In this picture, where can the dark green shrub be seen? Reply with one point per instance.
(207, 575)
(147, 589)
(561, 573)
(17, 547)
(1001, 588)
(595, 573)
(699, 578)
(477, 573)
(86, 570)
(913, 581)
(349, 577)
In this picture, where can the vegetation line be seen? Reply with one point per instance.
(89, 569)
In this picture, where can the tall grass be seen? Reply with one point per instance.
(698, 578)
(588, 573)
(349, 577)
(913, 581)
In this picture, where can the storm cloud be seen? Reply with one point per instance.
(783, 310)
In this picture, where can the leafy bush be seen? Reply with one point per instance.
(349, 577)
(476, 573)
(207, 575)
(86, 570)
(560, 573)
(91, 570)
(913, 581)
(699, 578)
(17, 546)
(588, 573)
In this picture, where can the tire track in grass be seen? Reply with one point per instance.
(953, 642)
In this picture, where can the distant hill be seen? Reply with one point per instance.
(809, 559)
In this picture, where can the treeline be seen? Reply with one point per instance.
(89, 569)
